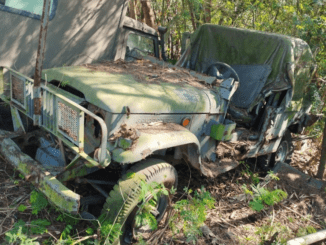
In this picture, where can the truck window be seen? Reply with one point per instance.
(144, 45)
(28, 8)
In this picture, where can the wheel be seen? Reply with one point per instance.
(283, 153)
(223, 71)
(122, 205)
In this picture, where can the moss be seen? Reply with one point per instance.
(67, 201)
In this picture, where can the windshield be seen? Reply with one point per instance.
(138, 46)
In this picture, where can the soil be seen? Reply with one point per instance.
(145, 71)
(232, 221)
(306, 156)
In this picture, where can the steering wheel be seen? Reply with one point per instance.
(223, 71)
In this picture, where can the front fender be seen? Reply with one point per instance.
(154, 138)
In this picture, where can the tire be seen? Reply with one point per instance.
(121, 205)
(283, 153)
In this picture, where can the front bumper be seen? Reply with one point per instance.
(35, 173)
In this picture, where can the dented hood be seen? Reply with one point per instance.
(115, 92)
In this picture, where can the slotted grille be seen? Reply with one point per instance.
(18, 90)
(68, 121)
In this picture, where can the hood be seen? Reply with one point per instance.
(115, 92)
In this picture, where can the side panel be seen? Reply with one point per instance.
(81, 31)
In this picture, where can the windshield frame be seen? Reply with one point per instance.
(146, 35)
(28, 13)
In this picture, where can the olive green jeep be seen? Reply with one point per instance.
(109, 114)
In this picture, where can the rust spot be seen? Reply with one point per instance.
(37, 106)
(146, 153)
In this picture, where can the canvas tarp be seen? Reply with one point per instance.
(290, 59)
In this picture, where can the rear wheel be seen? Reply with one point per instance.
(123, 204)
(283, 153)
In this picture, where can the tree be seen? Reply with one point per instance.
(132, 9)
(148, 13)
(322, 164)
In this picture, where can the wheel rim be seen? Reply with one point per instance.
(281, 153)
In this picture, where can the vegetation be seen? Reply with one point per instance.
(190, 214)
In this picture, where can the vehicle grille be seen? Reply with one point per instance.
(68, 121)
(18, 90)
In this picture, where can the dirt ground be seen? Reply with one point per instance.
(232, 221)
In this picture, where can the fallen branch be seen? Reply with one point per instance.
(301, 215)
(84, 238)
(308, 239)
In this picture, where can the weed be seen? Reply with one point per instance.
(272, 175)
(302, 231)
(141, 242)
(249, 238)
(191, 214)
(249, 174)
(22, 208)
(65, 233)
(38, 202)
(110, 231)
(39, 226)
(64, 83)
(306, 218)
(290, 219)
(89, 231)
(21, 231)
(144, 215)
(263, 196)
(267, 231)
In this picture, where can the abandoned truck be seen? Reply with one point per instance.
(107, 106)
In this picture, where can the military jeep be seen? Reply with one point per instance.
(112, 114)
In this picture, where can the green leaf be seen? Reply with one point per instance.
(256, 205)
(22, 208)
(38, 201)
(39, 226)
(89, 231)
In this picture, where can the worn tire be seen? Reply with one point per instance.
(268, 161)
(124, 197)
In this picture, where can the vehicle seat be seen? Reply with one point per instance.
(252, 80)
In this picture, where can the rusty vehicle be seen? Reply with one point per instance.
(102, 105)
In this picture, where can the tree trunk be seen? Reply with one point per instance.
(132, 9)
(208, 6)
(321, 167)
(148, 13)
(192, 15)
(172, 46)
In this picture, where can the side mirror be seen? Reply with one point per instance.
(162, 31)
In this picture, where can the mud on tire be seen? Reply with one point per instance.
(122, 202)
